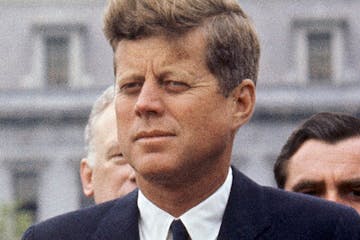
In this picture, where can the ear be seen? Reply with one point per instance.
(86, 178)
(243, 97)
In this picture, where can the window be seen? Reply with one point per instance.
(57, 56)
(57, 68)
(319, 57)
(25, 186)
(18, 215)
(319, 51)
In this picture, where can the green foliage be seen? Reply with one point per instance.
(13, 222)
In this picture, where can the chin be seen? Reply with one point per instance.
(162, 174)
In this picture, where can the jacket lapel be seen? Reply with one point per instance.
(245, 215)
(121, 222)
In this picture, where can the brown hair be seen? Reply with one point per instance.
(328, 127)
(233, 49)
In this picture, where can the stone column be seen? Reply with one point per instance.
(6, 193)
(58, 189)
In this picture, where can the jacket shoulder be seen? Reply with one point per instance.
(288, 215)
(80, 224)
(300, 212)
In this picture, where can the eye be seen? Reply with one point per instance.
(117, 158)
(175, 86)
(355, 193)
(312, 192)
(131, 87)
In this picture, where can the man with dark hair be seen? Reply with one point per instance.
(185, 83)
(322, 158)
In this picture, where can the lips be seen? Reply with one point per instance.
(153, 134)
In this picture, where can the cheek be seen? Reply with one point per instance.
(119, 177)
(100, 174)
(123, 128)
(124, 113)
(211, 132)
(109, 180)
(119, 174)
(209, 120)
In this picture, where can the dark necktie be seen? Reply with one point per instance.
(179, 231)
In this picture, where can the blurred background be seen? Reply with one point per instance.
(55, 61)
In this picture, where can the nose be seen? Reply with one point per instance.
(149, 102)
(334, 197)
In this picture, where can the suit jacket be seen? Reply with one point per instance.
(252, 212)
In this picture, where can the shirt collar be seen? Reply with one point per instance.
(202, 221)
(154, 223)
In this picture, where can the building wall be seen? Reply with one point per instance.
(23, 20)
(41, 127)
(275, 22)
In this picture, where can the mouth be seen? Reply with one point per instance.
(148, 135)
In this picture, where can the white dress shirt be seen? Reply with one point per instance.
(202, 222)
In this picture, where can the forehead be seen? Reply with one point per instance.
(105, 124)
(161, 50)
(318, 159)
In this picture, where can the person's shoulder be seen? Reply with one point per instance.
(293, 215)
(312, 213)
(79, 224)
(285, 203)
(302, 203)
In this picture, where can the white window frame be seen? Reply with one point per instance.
(75, 33)
(337, 30)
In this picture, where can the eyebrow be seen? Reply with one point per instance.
(171, 70)
(306, 183)
(129, 75)
(350, 182)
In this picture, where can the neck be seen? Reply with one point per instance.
(178, 198)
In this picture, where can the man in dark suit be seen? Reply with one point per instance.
(185, 83)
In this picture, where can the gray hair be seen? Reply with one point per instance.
(98, 108)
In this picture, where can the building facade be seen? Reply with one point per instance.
(55, 61)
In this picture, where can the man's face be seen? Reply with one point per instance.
(111, 177)
(173, 122)
(330, 171)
